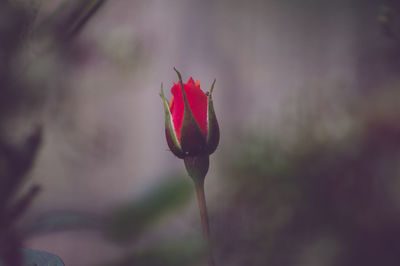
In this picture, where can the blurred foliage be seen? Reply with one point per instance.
(180, 253)
(124, 224)
(14, 28)
(127, 222)
(69, 19)
(19, 95)
(34, 257)
(38, 258)
(15, 164)
(317, 202)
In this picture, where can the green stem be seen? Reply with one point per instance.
(201, 199)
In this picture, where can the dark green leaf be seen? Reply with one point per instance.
(39, 258)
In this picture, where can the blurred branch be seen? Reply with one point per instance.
(23, 203)
(70, 18)
(83, 14)
(16, 164)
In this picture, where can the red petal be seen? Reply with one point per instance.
(197, 102)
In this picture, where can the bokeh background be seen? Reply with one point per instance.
(307, 98)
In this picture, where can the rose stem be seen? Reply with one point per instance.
(204, 218)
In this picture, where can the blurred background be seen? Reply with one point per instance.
(307, 98)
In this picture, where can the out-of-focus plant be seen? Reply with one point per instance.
(15, 165)
(174, 253)
(330, 201)
(21, 93)
(16, 159)
(123, 223)
(126, 223)
(130, 220)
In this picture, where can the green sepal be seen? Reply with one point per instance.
(197, 166)
(170, 134)
(193, 141)
(212, 124)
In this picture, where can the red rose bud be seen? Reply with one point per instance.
(191, 127)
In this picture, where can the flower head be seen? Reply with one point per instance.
(191, 127)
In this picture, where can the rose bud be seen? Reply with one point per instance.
(191, 127)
